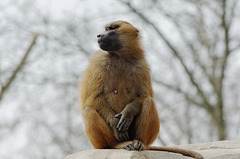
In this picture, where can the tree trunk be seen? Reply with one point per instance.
(218, 119)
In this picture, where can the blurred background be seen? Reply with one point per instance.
(192, 46)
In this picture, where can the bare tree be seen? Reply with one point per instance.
(43, 94)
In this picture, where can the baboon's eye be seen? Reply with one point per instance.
(112, 27)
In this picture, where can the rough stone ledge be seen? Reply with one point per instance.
(229, 149)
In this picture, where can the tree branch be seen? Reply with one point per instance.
(235, 48)
(225, 26)
(19, 67)
(186, 95)
(190, 45)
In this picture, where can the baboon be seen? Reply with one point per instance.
(116, 94)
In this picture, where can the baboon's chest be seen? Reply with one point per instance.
(120, 88)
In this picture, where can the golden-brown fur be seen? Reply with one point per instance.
(116, 92)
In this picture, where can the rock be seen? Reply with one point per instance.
(213, 150)
(122, 154)
(228, 149)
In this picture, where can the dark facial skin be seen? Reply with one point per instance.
(109, 41)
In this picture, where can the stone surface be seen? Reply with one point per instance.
(229, 149)
(123, 154)
(212, 150)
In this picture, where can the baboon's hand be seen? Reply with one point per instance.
(124, 122)
(121, 135)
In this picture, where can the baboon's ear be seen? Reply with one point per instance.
(137, 32)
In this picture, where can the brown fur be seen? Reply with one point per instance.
(117, 96)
